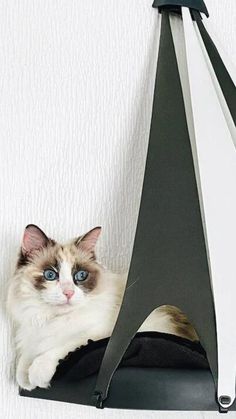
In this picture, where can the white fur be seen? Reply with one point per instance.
(47, 328)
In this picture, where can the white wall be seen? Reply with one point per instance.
(76, 80)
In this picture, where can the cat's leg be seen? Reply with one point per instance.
(44, 366)
(22, 373)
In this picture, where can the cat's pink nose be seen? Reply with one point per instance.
(68, 293)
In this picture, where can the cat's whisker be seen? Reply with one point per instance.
(130, 285)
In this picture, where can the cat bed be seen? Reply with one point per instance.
(147, 349)
(154, 362)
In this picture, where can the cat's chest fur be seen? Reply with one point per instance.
(41, 329)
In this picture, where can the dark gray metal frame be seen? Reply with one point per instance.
(169, 235)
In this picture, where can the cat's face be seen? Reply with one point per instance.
(60, 275)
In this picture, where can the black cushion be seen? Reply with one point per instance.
(147, 349)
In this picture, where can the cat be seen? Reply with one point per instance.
(60, 296)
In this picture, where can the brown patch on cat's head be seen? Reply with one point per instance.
(92, 281)
(33, 265)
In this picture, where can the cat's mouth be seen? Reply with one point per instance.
(67, 303)
(64, 307)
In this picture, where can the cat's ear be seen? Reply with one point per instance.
(88, 240)
(34, 239)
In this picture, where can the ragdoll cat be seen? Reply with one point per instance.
(60, 296)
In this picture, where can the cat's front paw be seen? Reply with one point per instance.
(22, 376)
(41, 371)
(23, 381)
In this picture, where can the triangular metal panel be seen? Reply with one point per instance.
(169, 261)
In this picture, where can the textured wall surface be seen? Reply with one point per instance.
(76, 84)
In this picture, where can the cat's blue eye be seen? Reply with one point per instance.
(49, 274)
(80, 276)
